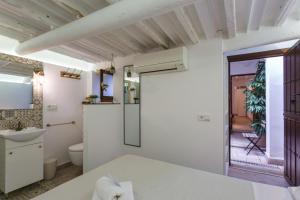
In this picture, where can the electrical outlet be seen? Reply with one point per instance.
(52, 107)
(203, 118)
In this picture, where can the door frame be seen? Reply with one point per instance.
(245, 57)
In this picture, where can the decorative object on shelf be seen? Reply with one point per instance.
(87, 100)
(93, 98)
(74, 74)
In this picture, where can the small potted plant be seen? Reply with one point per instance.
(93, 98)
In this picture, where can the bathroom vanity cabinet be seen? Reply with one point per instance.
(21, 163)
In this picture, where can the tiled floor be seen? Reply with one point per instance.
(254, 166)
(255, 176)
(63, 175)
(254, 160)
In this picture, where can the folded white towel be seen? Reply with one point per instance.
(108, 188)
(128, 191)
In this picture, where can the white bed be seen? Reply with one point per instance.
(155, 180)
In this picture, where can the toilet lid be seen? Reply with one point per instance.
(76, 147)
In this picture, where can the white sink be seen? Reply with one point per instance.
(24, 135)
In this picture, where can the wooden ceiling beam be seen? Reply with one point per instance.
(111, 40)
(186, 24)
(78, 5)
(79, 49)
(166, 28)
(54, 8)
(136, 38)
(65, 51)
(285, 9)
(103, 46)
(12, 33)
(91, 48)
(156, 37)
(256, 14)
(207, 22)
(15, 24)
(230, 11)
(36, 12)
(128, 40)
(14, 12)
(98, 4)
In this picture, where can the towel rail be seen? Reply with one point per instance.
(59, 124)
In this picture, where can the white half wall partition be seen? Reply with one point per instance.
(103, 134)
(274, 109)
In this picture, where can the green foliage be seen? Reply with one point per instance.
(256, 99)
(93, 96)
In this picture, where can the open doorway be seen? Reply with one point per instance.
(256, 116)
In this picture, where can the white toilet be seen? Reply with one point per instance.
(76, 154)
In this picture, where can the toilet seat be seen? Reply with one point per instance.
(76, 148)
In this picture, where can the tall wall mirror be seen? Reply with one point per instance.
(132, 123)
(16, 82)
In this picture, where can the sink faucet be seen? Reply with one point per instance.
(19, 127)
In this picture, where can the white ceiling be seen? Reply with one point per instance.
(203, 19)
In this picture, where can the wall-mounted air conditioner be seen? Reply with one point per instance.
(163, 61)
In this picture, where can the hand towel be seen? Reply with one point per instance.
(128, 191)
(107, 189)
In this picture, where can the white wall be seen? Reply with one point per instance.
(67, 94)
(132, 124)
(172, 133)
(103, 134)
(170, 104)
(274, 108)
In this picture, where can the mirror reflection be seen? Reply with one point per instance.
(16, 85)
(106, 86)
(131, 107)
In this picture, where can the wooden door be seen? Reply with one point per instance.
(292, 115)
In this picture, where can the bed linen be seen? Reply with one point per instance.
(157, 180)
